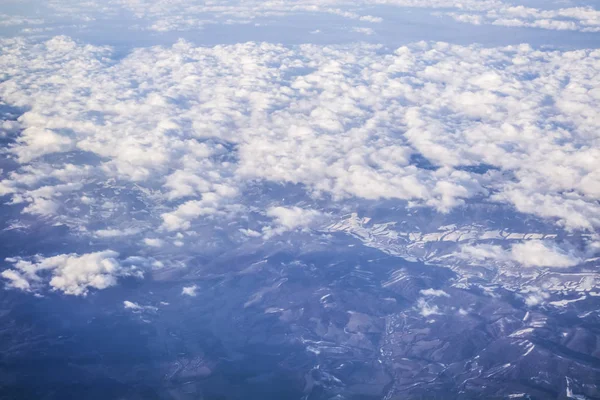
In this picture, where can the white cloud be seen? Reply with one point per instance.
(434, 293)
(426, 309)
(584, 19)
(182, 217)
(250, 232)
(535, 253)
(189, 291)
(530, 253)
(154, 242)
(534, 299)
(135, 307)
(290, 218)
(484, 252)
(35, 142)
(333, 130)
(16, 280)
(8, 128)
(131, 306)
(370, 18)
(114, 233)
(534, 295)
(71, 274)
(364, 30)
(13, 20)
(179, 15)
(167, 139)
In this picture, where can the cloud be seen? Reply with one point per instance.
(434, 293)
(184, 138)
(250, 232)
(71, 274)
(8, 128)
(131, 306)
(113, 233)
(178, 15)
(16, 280)
(135, 307)
(363, 30)
(535, 253)
(182, 217)
(426, 309)
(189, 291)
(584, 19)
(15, 20)
(35, 142)
(534, 295)
(534, 299)
(153, 242)
(531, 253)
(332, 130)
(290, 218)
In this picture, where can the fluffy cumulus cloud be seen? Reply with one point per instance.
(536, 253)
(189, 291)
(290, 218)
(159, 144)
(532, 253)
(426, 309)
(71, 274)
(154, 242)
(187, 127)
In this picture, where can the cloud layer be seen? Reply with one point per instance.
(167, 139)
(180, 15)
(194, 124)
(584, 19)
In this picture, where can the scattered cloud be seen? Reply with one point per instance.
(71, 274)
(531, 253)
(16, 280)
(114, 233)
(168, 139)
(534, 296)
(535, 253)
(290, 218)
(364, 30)
(179, 15)
(135, 307)
(16, 20)
(189, 291)
(434, 293)
(154, 242)
(584, 19)
(426, 309)
(332, 130)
